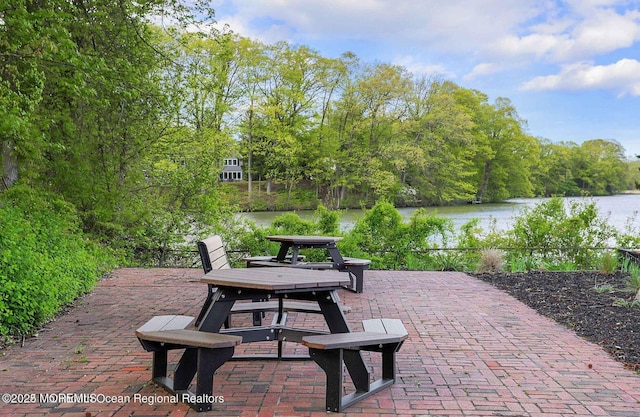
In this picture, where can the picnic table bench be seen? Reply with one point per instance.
(208, 346)
(208, 351)
(329, 351)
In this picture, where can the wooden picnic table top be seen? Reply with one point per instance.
(304, 240)
(276, 279)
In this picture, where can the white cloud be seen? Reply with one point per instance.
(453, 25)
(580, 33)
(480, 70)
(535, 45)
(623, 77)
(482, 38)
(420, 68)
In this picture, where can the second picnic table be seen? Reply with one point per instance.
(294, 244)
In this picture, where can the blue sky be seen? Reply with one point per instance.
(571, 68)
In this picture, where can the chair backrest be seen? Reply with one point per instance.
(212, 254)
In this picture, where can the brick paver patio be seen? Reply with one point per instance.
(472, 351)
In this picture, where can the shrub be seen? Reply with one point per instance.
(491, 260)
(45, 261)
(608, 263)
(632, 282)
(382, 236)
(449, 261)
(558, 234)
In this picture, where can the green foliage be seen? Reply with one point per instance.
(382, 236)
(608, 263)
(292, 224)
(621, 302)
(561, 265)
(522, 263)
(448, 261)
(551, 232)
(45, 261)
(605, 288)
(326, 221)
(632, 282)
(629, 237)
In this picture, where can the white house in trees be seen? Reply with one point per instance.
(231, 170)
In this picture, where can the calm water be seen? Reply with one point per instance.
(619, 210)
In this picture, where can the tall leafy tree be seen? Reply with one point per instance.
(601, 168)
(364, 118)
(94, 104)
(292, 88)
(441, 129)
(553, 175)
(34, 37)
(506, 153)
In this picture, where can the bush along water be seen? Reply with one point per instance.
(45, 261)
(551, 236)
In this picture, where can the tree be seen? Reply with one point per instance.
(506, 154)
(440, 127)
(601, 168)
(32, 38)
(290, 90)
(553, 175)
(94, 103)
(371, 102)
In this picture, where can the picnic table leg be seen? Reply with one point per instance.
(337, 323)
(295, 250)
(207, 304)
(282, 254)
(159, 366)
(331, 363)
(209, 361)
(336, 256)
(186, 369)
(216, 313)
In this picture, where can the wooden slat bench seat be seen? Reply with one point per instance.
(185, 338)
(168, 322)
(389, 326)
(288, 306)
(329, 352)
(204, 354)
(251, 259)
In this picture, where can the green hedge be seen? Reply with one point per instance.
(45, 261)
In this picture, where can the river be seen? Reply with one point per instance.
(619, 210)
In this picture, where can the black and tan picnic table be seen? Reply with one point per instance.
(295, 243)
(317, 287)
(208, 346)
(289, 256)
(330, 349)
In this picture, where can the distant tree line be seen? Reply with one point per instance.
(377, 130)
